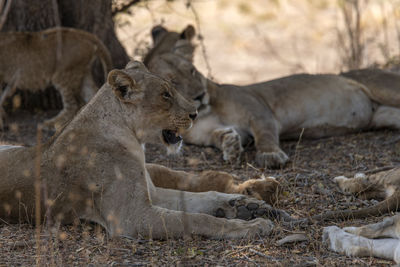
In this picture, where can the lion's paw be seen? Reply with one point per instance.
(271, 159)
(258, 227)
(245, 208)
(231, 145)
(341, 181)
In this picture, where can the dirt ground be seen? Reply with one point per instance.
(307, 190)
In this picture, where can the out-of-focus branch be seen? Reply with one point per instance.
(123, 7)
(3, 14)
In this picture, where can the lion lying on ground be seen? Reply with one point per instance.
(382, 185)
(304, 105)
(380, 240)
(94, 169)
(61, 57)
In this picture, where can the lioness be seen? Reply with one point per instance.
(94, 168)
(61, 57)
(382, 185)
(380, 239)
(314, 105)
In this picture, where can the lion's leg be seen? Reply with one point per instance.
(266, 139)
(215, 203)
(342, 242)
(89, 87)
(262, 189)
(160, 223)
(228, 140)
(70, 107)
(208, 131)
(389, 227)
(8, 91)
(126, 209)
(386, 116)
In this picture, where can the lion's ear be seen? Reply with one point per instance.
(188, 33)
(124, 86)
(157, 33)
(134, 64)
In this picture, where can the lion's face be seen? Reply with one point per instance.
(171, 58)
(153, 107)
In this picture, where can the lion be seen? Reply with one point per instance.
(61, 57)
(378, 240)
(94, 169)
(301, 105)
(384, 185)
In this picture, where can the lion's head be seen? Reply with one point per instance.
(171, 58)
(160, 111)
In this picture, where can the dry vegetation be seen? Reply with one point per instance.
(287, 37)
(307, 190)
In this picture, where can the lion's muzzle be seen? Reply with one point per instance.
(171, 137)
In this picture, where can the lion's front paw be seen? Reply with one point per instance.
(341, 181)
(245, 208)
(266, 188)
(231, 145)
(271, 159)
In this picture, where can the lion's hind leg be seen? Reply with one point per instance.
(266, 188)
(389, 227)
(386, 117)
(349, 244)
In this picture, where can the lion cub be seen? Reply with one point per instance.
(61, 57)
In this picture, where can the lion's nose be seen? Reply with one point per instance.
(193, 115)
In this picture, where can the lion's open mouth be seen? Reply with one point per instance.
(171, 137)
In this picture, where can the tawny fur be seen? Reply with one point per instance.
(312, 105)
(61, 57)
(94, 169)
(380, 239)
(266, 189)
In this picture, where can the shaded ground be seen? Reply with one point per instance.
(307, 190)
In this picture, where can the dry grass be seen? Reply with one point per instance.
(252, 41)
(307, 190)
(306, 180)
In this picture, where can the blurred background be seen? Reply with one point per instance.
(251, 41)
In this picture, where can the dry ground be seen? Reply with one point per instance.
(307, 185)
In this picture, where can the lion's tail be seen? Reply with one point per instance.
(105, 57)
(390, 204)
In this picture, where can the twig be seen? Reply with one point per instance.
(381, 169)
(3, 16)
(124, 7)
(297, 146)
(201, 38)
(262, 254)
(37, 191)
(393, 141)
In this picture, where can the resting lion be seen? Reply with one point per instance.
(383, 186)
(61, 57)
(94, 169)
(312, 105)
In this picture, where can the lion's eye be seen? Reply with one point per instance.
(166, 95)
(193, 71)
